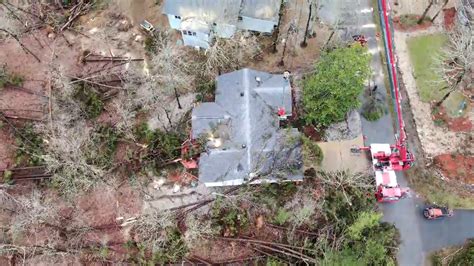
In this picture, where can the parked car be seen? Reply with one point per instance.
(147, 26)
(437, 212)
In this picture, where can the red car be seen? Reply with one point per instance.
(437, 212)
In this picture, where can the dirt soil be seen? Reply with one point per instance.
(458, 124)
(296, 59)
(409, 28)
(449, 15)
(457, 167)
(7, 151)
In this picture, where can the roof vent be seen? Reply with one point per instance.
(258, 80)
(286, 75)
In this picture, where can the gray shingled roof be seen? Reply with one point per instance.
(244, 117)
(261, 9)
(225, 11)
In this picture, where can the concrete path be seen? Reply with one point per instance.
(419, 237)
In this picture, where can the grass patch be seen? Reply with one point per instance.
(455, 255)
(441, 192)
(454, 104)
(7, 78)
(423, 50)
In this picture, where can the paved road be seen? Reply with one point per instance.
(418, 236)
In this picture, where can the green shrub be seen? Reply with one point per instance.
(173, 250)
(312, 153)
(229, 218)
(373, 109)
(281, 216)
(465, 257)
(205, 91)
(30, 146)
(167, 145)
(104, 144)
(408, 20)
(339, 78)
(7, 78)
(90, 100)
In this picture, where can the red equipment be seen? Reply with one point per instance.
(437, 212)
(386, 158)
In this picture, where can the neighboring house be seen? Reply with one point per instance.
(243, 133)
(200, 21)
(259, 15)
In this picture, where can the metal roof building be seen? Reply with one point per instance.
(200, 21)
(243, 131)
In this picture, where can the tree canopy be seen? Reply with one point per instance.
(333, 89)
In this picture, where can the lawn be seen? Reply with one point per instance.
(423, 52)
(442, 192)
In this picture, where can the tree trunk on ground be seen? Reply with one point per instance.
(458, 80)
(177, 98)
(277, 30)
(28, 51)
(304, 43)
(439, 11)
(425, 12)
(168, 117)
(440, 102)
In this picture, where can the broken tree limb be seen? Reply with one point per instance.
(22, 117)
(28, 51)
(94, 83)
(25, 90)
(76, 11)
(113, 60)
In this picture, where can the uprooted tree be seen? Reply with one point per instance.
(333, 89)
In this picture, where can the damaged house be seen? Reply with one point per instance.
(243, 133)
(200, 21)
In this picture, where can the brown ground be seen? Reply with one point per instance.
(101, 207)
(458, 124)
(409, 28)
(7, 151)
(456, 167)
(449, 15)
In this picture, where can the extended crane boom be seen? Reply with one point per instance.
(387, 158)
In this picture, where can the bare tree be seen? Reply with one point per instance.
(170, 69)
(229, 54)
(32, 210)
(311, 5)
(420, 20)
(439, 11)
(456, 61)
(150, 228)
(68, 139)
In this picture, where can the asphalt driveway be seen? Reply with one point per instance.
(419, 237)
